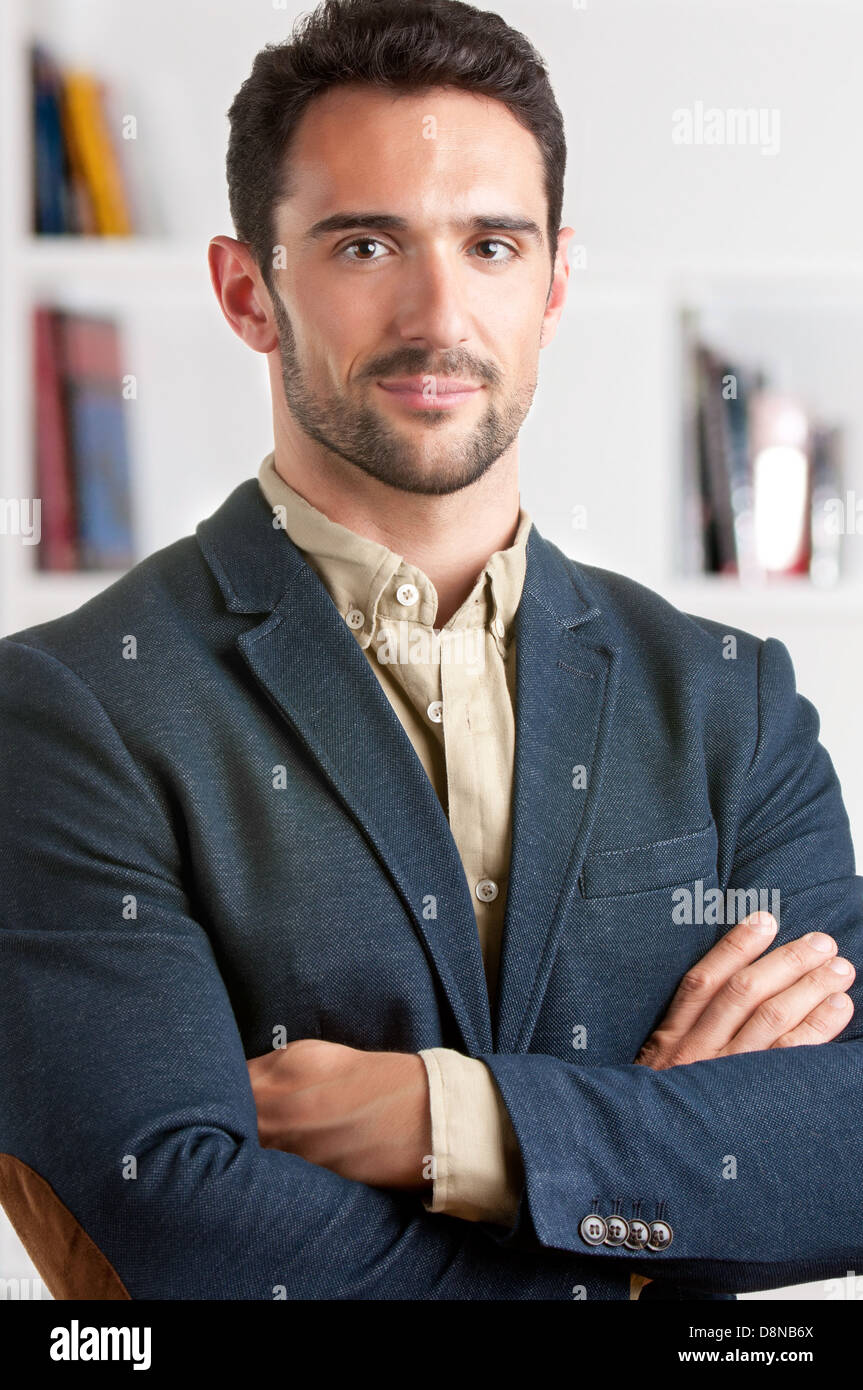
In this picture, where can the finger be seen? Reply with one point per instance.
(749, 987)
(745, 942)
(783, 1012)
(823, 1024)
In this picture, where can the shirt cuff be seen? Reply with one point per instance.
(478, 1173)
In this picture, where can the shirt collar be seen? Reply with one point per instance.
(369, 581)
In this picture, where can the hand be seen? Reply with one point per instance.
(364, 1115)
(732, 1002)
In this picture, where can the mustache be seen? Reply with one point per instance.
(409, 364)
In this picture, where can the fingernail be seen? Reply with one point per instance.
(761, 921)
(838, 1001)
(841, 967)
(819, 942)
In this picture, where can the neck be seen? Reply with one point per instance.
(449, 538)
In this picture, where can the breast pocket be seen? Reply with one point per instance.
(646, 868)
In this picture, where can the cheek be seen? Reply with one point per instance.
(336, 342)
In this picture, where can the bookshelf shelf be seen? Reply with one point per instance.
(47, 594)
(112, 256)
(712, 595)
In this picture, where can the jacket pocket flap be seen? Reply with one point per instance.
(640, 868)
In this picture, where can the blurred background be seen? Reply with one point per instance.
(699, 418)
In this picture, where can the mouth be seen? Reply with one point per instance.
(430, 392)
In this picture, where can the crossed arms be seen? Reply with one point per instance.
(366, 1115)
(124, 1044)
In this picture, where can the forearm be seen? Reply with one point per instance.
(735, 1146)
(204, 1212)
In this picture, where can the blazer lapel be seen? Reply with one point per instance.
(311, 667)
(566, 682)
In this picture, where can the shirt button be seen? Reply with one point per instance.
(407, 594)
(355, 619)
(486, 890)
(435, 711)
(498, 627)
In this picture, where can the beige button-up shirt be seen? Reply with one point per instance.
(453, 690)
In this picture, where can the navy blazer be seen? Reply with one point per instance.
(214, 826)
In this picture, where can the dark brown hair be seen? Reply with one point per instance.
(398, 45)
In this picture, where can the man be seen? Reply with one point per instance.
(343, 841)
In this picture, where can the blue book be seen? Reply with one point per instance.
(96, 425)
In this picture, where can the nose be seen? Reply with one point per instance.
(432, 310)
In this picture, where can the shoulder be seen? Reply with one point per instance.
(156, 603)
(638, 615)
(666, 653)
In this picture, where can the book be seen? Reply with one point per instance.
(780, 438)
(51, 200)
(714, 463)
(829, 517)
(94, 153)
(55, 486)
(85, 221)
(97, 439)
(78, 182)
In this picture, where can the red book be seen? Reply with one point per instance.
(58, 548)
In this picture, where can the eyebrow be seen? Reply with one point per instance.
(388, 222)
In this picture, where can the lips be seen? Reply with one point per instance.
(430, 393)
(443, 386)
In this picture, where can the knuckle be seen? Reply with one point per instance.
(771, 1014)
(740, 985)
(734, 943)
(649, 1053)
(695, 983)
(796, 955)
(655, 1053)
(818, 1023)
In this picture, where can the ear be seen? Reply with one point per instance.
(243, 297)
(559, 284)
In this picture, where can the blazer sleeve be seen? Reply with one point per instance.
(757, 1156)
(131, 1162)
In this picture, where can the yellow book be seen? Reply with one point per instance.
(96, 155)
(85, 211)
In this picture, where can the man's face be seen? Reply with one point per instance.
(435, 298)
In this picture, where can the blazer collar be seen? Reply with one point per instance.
(254, 566)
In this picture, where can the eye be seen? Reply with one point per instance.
(506, 246)
(362, 241)
(366, 241)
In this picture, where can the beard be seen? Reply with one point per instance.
(362, 437)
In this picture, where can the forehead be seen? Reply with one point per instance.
(422, 150)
